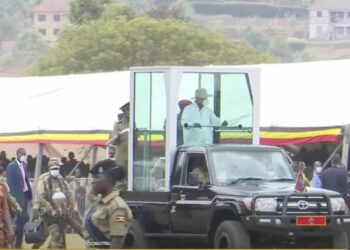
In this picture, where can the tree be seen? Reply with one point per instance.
(119, 44)
(166, 12)
(256, 40)
(14, 14)
(28, 48)
(116, 11)
(86, 10)
(279, 48)
(139, 5)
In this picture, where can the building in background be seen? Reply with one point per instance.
(50, 17)
(329, 20)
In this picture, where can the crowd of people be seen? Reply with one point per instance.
(68, 162)
(63, 196)
(106, 220)
(333, 176)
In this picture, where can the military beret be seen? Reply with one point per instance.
(183, 103)
(125, 107)
(108, 166)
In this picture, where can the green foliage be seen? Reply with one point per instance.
(143, 41)
(86, 10)
(139, 5)
(256, 40)
(280, 49)
(166, 12)
(116, 11)
(14, 14)
(28, 48)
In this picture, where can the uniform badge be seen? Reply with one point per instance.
(120, 219)
(100, 169)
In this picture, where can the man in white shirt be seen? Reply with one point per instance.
(199, 120)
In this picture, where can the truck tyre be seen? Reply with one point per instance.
(231, 234)
(340, 241)
(135, 237)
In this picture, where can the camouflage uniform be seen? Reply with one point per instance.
(14, 207)
(4, 212)
(47, 186)
(121, 150)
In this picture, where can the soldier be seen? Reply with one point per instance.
(48, 185)
(107, 221)
(14, 207)
(119, 139)
(6, 229)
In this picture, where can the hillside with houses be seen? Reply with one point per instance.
(289, 30)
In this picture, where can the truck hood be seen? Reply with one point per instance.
(253, 188)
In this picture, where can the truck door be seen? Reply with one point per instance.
(191, 198)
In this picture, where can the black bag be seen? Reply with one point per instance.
(35, 231)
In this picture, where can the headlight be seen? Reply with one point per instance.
(338, 204)
(266, 205)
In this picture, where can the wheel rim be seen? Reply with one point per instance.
(223, 241)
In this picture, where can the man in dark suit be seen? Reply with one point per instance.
(335, 177)
(17, 179)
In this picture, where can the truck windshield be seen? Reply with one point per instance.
(230, 166)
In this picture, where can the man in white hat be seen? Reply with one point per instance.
(199, 120)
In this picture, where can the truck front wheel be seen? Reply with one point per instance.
(135, 237)
(231, 234)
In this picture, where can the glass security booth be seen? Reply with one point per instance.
(158, 97)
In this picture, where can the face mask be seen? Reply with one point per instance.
(22, 158)
(54, 172)
(318, 169)
(205, 102)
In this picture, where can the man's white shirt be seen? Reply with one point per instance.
(205, 117)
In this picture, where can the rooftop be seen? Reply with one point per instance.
(53, 6)
(330, 5)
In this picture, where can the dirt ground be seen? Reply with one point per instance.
(73, 241)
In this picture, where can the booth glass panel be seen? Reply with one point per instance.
(149, 117)
(236, 107)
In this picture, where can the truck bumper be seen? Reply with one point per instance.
(286, 225)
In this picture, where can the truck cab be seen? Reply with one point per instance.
(232, 193)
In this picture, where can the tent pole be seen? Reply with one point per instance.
(38, 165)
(346, 141)
(332, 154)
(94, 156)
(82, 159)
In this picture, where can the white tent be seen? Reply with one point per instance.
(298, 95)
(73, 102)
(312, 94)
(59, 114)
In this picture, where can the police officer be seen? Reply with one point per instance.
(107, 221)
(48, 185)
(120, 143)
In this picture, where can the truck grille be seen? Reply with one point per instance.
(308, 204)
